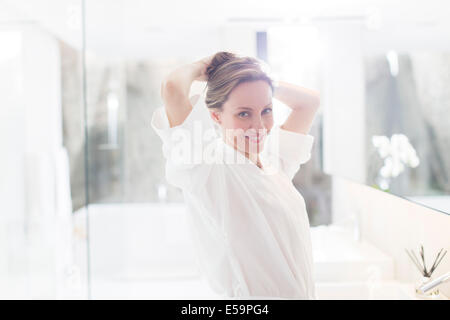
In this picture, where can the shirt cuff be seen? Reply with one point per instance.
(295, 147)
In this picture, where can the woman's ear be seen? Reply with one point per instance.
(216, 117)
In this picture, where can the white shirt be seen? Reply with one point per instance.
(250, 226)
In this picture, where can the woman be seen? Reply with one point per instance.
(250, 223)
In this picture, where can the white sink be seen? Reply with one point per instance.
(339, 258)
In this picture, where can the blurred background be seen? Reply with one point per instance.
(86, 210)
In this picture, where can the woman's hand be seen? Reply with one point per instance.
(180, 79)
(176, 86)
(201, 66)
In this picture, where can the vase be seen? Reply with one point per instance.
(431, 294)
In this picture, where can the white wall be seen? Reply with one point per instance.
(343, 103)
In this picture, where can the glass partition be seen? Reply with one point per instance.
(43, 245)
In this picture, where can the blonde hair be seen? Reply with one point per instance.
(226, 71)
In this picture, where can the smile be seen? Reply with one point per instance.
(255, 139)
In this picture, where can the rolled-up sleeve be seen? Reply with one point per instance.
(292, 149)
(182, 145)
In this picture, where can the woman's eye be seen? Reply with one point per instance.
(245, 114)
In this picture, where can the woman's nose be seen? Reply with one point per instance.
(258, 125)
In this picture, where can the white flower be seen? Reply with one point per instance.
(396, 152)
(397, 168)
(384, 184)
(392, 168)
(399, 150)
(386, 170)
(413, 162)
(382, 144)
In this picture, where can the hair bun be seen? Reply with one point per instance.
(219, 59)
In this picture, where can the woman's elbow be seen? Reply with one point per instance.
(170, 88)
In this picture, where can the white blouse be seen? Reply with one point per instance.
(250, 225)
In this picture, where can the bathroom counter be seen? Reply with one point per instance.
(339, 257)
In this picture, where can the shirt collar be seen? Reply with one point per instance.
(233, 156)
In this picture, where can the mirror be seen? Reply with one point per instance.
(407, 121)
(386, 105)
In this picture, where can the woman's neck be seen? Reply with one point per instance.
(253, 157)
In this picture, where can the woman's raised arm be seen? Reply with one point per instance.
(303, 102)
(176, 86)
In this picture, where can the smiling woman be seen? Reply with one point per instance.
(245, 128)
(250, 223)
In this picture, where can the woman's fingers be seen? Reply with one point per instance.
(207, 60)
(203, 65)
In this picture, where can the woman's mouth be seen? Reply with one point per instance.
(255, 139)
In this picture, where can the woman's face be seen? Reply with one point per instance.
(246, 117)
